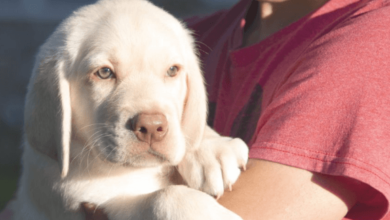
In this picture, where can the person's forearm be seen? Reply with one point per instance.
(273, 191)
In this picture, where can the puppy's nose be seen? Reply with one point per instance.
(149, 127)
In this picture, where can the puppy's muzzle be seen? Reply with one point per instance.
(149, 128)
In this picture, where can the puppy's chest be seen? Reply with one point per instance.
(99, 189)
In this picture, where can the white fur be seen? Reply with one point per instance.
(78, 147)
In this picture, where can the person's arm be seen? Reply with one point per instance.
(268, 190)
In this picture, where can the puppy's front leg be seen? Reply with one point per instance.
(172, 203)
(215, 165)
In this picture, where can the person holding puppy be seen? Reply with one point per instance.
(305, 84)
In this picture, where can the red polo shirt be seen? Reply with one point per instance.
(315, 95)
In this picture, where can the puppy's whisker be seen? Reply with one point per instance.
(93, 144)
(87, 144)
(90, 145)
(112, 164)
(95, 137)
(98, 140)
(197, 43)
(95, 125)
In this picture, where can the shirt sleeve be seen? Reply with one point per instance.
(331, 114)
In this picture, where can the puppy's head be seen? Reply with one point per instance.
(122, 78)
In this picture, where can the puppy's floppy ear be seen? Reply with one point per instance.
(195, 109)
(48, 110)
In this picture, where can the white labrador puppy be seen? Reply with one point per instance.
(116, 106)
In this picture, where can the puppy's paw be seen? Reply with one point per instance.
(215, 166)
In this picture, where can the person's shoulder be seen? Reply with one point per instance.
(368, 29)
(350, 61)
(358, 44)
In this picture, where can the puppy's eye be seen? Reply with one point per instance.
(105, 73)
(172, 71)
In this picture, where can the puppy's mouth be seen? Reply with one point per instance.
(140, 156)
(146, 159)
(158, 155)
(142, 149)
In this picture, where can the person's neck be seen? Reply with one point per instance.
(274, 15)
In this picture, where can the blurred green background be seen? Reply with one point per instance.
(19, 41)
